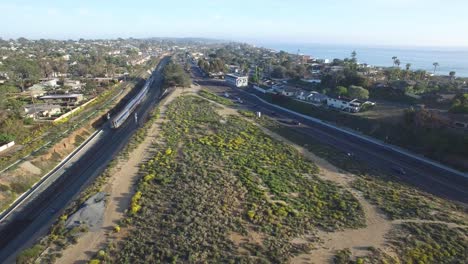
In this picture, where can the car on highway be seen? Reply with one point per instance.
(295, 122)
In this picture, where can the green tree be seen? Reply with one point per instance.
(435, 64)
(408, 66)
(452, 75)
(341, 91)
(397, 63)
(278, 72)
(24, 70)
(5, 138)
(394, 59)
(5, 92)
(174, 75)
(358, 92)
(460, 104)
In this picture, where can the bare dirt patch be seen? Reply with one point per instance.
(29, 167)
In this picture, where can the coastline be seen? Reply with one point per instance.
(450, 59)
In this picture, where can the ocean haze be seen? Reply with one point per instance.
(449, 59)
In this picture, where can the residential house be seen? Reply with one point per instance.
(316, 97)
(336, 68)
(290, 91)
(237, 80)
(36, 90)
(41, 110)
(303, 59)
(74, 84)
(344, 104)
(50, 82)
(314, 81)
(62, 99)
(234, 69)
(445, 97)
(3, 77)
(261, 88)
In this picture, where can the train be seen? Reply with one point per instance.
(120, 118)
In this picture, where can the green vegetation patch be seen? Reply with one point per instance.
(213, 97)
(432, 243)
(218, 179)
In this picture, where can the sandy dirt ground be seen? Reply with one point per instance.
(120, 189)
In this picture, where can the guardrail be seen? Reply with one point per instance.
(23, 197)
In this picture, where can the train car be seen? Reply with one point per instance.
(120, 118)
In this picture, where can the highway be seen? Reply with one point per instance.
(32, 220)
(428, 177)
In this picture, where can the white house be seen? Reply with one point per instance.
(41, 110)
(290, 91)
(36, 90)
(344, 104)
(317, 97)
(237, 80)
(50, 82)
(314, 81)
(313, 97)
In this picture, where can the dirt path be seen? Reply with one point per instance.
(420, 221)
(120, 189)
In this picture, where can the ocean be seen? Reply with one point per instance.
(449, 59)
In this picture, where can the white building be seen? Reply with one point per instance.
(41, 110)
(343, 104)
(237, 80)
(314, 97)
(290, 91)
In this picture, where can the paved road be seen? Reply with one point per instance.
(425, 176)
(32, 220)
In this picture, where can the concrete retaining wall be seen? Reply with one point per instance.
(7, 146)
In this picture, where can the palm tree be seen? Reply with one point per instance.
(394, 58)
(397, 62)
(408, 66)
(436, 64)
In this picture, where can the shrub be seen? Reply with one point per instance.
(30, 254)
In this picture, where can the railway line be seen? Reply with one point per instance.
(32, 219)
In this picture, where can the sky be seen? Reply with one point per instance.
(433, 23)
